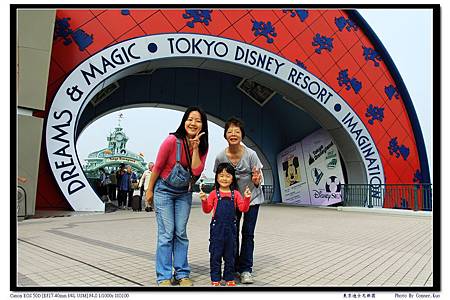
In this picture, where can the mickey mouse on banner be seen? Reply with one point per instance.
(291, 172)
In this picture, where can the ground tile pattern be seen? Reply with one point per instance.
(294, 247)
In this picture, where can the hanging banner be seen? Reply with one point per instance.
(323, 167)
(310, 172)
(292, 176)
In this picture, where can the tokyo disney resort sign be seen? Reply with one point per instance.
(87, 78)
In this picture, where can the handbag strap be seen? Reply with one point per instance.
(188, 154)
(186, 150)
(178, 150)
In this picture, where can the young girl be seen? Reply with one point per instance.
(224, 199)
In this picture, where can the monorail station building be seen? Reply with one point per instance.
(324, 105)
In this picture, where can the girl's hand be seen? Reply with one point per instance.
(196, 140)
(247, 192)
(202, 194)
(256, 176)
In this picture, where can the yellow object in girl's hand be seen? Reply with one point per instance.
(247, 192)
(202, 194)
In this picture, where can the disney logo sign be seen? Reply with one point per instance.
(324, 195)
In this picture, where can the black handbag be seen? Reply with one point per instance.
(179, 177)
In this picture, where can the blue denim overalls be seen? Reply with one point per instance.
(223, 238)
(172, 201)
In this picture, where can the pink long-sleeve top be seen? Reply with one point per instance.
(243, 204)
(167, 157)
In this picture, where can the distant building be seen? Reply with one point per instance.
(113, 155)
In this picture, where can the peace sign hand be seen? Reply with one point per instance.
(196, 140)
(256, 176)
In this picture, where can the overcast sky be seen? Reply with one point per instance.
(406, 34)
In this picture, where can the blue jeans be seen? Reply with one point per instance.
(172, 208)
(244, 258)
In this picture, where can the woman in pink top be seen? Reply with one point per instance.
(181, 157)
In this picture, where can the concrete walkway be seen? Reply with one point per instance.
(294, 247)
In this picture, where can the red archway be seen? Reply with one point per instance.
(335, 45)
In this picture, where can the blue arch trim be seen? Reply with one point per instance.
(401, 87)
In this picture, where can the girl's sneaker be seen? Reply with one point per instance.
(215, 283)
(230, 283)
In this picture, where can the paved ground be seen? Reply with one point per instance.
(294, 247)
